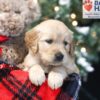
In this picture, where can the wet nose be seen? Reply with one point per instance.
(59, 56)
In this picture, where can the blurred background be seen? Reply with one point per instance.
(86, 37)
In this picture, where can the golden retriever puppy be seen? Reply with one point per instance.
(50, 46)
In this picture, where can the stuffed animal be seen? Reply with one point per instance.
(15, 18)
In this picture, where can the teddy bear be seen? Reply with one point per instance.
(15, 18)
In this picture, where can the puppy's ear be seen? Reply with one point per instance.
(72, 48)
(31, 40)
(71, 44)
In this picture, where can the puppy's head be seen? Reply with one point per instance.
(52, 41)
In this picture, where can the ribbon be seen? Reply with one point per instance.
(0, 51)
(3, 38)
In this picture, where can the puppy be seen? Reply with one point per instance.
(50, 46)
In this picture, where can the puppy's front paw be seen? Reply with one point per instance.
(36, 76)
(55, 80)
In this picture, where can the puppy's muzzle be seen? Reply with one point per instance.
(59, 56)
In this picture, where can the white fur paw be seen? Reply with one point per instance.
(36, 76)
(55, 80)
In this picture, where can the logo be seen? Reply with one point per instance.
(87, 5)
(91, 9)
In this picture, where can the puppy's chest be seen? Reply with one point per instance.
(46, 68)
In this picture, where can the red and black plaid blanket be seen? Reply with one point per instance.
(15, 85)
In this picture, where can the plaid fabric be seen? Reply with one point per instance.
(15, 85)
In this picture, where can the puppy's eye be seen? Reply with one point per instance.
(65, 43)
(49, 41)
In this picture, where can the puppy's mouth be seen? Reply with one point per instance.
(54, 64)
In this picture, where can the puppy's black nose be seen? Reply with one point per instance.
(59, 56)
